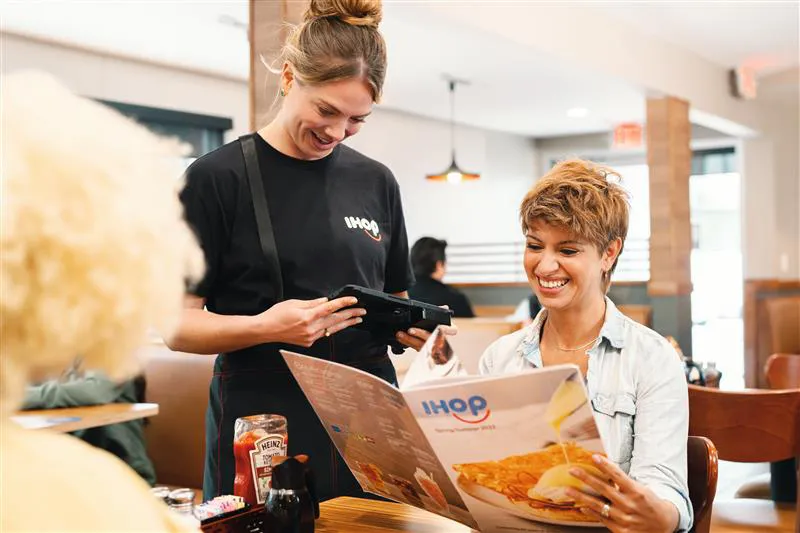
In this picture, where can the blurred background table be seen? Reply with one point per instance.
(76, 418)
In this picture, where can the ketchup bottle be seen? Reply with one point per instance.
(256, 439)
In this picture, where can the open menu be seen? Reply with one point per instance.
(490, 452)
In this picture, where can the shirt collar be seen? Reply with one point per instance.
(612, 331)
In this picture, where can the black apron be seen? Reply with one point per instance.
(250, 383)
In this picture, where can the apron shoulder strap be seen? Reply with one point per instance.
(263, 221)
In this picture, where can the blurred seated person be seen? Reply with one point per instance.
(430, 264)
(527, 310)
(76, 389)
(94, 251)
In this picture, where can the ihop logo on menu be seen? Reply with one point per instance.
(473, 410)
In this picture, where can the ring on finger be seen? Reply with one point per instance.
(605, 511)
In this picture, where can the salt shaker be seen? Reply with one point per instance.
(181, 501)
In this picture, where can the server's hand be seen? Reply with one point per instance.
(303, 322)
(416, 338)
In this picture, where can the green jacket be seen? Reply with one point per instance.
(125, 440)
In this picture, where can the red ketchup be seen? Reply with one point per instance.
(257, 439)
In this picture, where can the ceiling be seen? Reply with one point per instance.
(512, 88)
(762, 35)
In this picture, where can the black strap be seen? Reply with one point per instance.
(263, 221)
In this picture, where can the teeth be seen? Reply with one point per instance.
(320, 139)
(552, 284)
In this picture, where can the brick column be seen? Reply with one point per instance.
(669, 158)
(267, 33)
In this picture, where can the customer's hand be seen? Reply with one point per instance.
(632, 507)
(303, 322)
(416, 337)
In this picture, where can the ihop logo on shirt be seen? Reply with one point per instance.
(472, 410)
(370, 227)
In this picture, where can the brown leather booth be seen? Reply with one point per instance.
(771, 325)
(178, 382)
(784, 324)
(779, 330)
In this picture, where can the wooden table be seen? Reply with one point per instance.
(355, 515)
(75, 418)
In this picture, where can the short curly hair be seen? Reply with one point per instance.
(585, 199)
(94, 250)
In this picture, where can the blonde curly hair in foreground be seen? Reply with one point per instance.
(93, 246)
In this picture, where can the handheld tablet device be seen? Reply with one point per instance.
(387, 314)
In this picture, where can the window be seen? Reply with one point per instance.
(718, 161)
(634, 263)
(202, 133)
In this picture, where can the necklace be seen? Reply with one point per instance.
(577, 349)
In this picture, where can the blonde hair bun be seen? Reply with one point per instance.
(353, 12)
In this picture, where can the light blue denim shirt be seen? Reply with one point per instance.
(638, 391)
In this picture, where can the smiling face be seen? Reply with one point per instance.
(316, 118)
(564, 270)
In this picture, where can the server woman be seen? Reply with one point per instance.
(336, 218)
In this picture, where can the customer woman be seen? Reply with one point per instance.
(85, 271)
(337, 219)
(575, 220)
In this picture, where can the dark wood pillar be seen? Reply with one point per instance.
(267, 32)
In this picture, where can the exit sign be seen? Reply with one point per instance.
(628, 135)
(743, 83)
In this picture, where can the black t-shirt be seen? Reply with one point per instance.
(434, 292)
(337, 221)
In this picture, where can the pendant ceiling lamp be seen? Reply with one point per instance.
(453, 174)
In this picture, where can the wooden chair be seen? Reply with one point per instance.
(751, 426)
(783, 371)
(703, 469)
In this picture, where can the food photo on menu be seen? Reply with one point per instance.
(490, 452)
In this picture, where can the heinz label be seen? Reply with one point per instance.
(261, 463)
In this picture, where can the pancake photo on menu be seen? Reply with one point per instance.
(532, 486)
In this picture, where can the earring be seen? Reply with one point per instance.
(283, 93)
